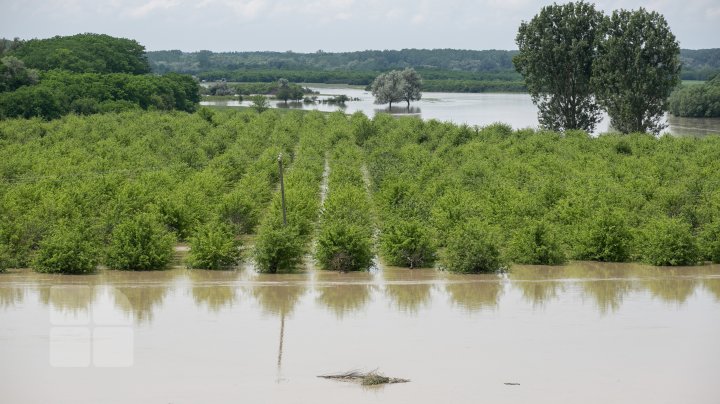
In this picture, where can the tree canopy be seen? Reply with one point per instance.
(636, 69)
(396, 86)
(576, 61)
(84, 53)
(557, 49)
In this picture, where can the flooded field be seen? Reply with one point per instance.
(469, 108)
(581, 333)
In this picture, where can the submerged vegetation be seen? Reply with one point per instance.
(119, 189)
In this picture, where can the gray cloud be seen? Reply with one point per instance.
(332, 25)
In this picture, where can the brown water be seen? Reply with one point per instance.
(583, 333)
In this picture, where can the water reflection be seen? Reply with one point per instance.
(400, 110)
(693, 126)
(670, 284)
(215, 289)
(140, 294)
(279, 293)
(408, 290)
(539, 284)
(475, 292)
(68, 298)
(344, 293)
(713, 286)
(11, 296)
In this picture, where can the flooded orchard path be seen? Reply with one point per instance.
(581, 333)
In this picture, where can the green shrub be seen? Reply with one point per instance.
(669, 241)
(213, 246)
(278, 249)
(407, 243)
(140, 243)
(710, 242)
(67, 250)
(605, 238)
(473, 248)
(241, 210)
(5, 258)
(536, 244)
(344, 246)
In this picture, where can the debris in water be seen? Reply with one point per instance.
(372, 378)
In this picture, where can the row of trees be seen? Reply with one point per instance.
(121, 189)
(577, 62)
(397, 85)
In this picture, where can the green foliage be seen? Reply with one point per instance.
(407, 243)
(140, 243)
(697, 100)
(473, 248)
(557, 50)
(709, 242)
(213, 246)
(636, 69)
(68, 250)
(278, 249)
(59, 93)
(388, 88)
(344, 246)
(669, 241)
(84, 53)
(260, 103)
(536, 244)
(14, 74)
(5, 258)
(606, 237)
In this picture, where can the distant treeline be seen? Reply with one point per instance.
(433, 79)
(698, 64)
(370, 60)
(85, 74)
(697, 101)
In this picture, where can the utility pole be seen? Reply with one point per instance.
(282, 189)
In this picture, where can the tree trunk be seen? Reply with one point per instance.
(390, 109)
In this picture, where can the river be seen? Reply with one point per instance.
(581, 333)
(469, 108)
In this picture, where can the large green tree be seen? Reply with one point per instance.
(388, 88)
(412, 84)
(636, 69)
(557, 49)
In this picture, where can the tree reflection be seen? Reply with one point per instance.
(670, 284)
(278, 294)
(408, 290)
(346, 293)
(216, 289)
(70, 298)
(475, 292)
(606, 283)
(538, 284)
(140, 293)
(11, 296)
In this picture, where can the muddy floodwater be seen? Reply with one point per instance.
(481, 109)
(581, 333)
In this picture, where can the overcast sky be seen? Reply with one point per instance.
(330, 25)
